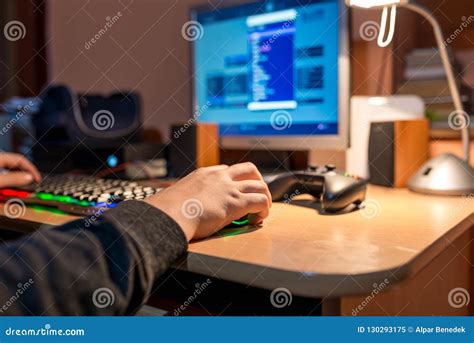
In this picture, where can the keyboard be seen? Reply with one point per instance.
(81, 195)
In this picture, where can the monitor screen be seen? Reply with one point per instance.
(269, 68)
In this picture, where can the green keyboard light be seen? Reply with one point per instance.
(63, 198)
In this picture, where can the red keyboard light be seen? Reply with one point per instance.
(12, 193)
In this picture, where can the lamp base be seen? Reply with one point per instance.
(446, 174)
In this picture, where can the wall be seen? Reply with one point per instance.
(451, 15)
(143, 51)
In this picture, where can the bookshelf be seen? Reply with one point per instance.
(385, 71)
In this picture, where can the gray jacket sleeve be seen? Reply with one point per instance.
(92, 266)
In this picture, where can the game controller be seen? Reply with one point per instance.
(335, 190)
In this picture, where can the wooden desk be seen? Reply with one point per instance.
(401, 255)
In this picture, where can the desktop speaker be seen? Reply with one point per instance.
(84, 131)
(366, 110)
(397, 150)
(193, 146)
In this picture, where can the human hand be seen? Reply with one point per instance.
(211, 198)
(20, 172)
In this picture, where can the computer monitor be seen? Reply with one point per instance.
(274, 74)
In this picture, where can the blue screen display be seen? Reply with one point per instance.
(259, 61)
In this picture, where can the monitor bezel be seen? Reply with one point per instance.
(337, 142)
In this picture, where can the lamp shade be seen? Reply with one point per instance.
(374, 3)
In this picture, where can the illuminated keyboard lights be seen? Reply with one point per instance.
(63, 198)
(14, 193)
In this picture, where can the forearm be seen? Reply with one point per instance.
(82, 266)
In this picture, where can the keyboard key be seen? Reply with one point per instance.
(83, 190)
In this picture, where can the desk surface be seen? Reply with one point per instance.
(394, 237)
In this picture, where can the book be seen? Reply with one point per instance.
(426, 88)
(425, 76)
(426, 64)
(424, 73)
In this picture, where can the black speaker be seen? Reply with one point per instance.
(84, 132)
(193, 146)
(382, 154)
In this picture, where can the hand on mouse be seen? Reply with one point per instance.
(20, 172)
(211, 198)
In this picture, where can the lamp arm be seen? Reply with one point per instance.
(455, 93)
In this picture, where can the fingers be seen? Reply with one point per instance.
(218, 167)
(254, 186)
(208, 169)
(255, 192)
(15, 179)
(257, 205)
(16, 161)
(244, 171)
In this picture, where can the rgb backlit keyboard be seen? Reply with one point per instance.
(80, 195)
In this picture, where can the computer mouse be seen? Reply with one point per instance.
(244, 221)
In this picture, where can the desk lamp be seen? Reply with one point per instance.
(446, 174)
